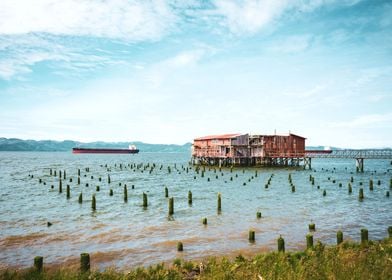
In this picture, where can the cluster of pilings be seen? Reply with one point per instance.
(85, 261)
(82, 178)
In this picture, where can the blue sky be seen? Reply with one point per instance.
(170, 71)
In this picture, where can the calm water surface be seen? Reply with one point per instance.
(126, 235)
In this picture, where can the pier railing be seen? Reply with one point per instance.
(351, 153)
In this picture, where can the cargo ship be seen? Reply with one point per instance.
(131, 150)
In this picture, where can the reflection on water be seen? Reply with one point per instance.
(125, 234)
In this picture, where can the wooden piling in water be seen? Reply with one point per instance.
(251, 236)
(339, 237)
(312, 227)
(38, 263)
(309, 241)
(189, 197)
(281, 244)
(361, 196)
(390, 231)
(93, 203)
(364, 236)
(68, 192)
(350, 189)
(80, 198)
(145, 202)
(258, 215)
(166, 192)
(125, 194)
(204, 221)
(324, 193)
(180, 247)
(171, 206)
(370, 184)
(60, 186)
(111, 192)
(219, 203)
(84, 262)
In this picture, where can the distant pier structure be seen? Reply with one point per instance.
(249, 150)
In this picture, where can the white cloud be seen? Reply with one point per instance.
(365, 121)
(292, 44)
(249, 16)
(133, 20)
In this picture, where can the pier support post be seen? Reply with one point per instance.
(359, 164)
(307, 163)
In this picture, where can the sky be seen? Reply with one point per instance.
(171, 71)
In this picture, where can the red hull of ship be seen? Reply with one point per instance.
(104, 151)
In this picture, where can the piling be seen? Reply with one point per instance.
(258, 215)
(80, 198)
(97, 188)
(371, 184)
(251, 236)
(350, 189)
(60, 186)
(125, 194)
(361, 196)
(145, 202)
(78, 172)
(324, 193)
(78, 180)
(204, 221)
(64, 175)
(219, 203)
(108, 179)
(280, 244)
(68, 192)
(84, 262)
(309, 241)
(171, 206)
(292, 188)
(189, 197)
(180, 247)
(166, 192)
(378, 182)
(364, 236)
(38, 263)
(390, 232)
(111, 192)
(93, 203)
(339, 237)
(312, 227)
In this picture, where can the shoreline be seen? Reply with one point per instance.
(348, 260)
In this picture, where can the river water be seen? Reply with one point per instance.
(124, 234)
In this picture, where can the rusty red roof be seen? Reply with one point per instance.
(222, 136)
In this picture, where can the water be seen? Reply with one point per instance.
(127, 235)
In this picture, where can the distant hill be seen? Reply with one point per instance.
(14, 144)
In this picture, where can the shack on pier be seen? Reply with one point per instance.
(248, 150)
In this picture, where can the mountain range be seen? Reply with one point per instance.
(14, 144)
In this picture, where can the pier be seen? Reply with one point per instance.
(271, 150)
(359, 156)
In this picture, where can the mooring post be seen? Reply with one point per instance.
(145, 202)
(251, 236)
(339, 237)
(309, 241)
(359, 164)
(171, 206)
(364, 236)
(84, 262)
(280, 244)
(38, 263)
(219, 203)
